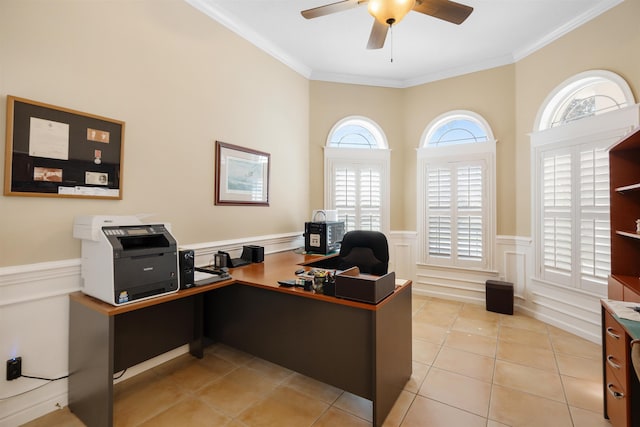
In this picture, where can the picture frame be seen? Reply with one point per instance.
(242, 176)
(53, 151)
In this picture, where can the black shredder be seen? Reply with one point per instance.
(499, 296)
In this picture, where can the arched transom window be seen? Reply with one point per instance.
(357, 174)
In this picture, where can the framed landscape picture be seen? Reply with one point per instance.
(242, 176)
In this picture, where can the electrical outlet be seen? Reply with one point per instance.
(14, 368)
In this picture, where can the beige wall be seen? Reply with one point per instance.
(487, 93)
(507, 97)
(609, 42)
(403, 115)
(180, 81)
(331, 102)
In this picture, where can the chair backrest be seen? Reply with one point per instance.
(635, 356)
(367, 250)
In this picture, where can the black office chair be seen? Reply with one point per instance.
(367, 250)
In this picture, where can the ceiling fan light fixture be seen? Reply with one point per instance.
(390, 12)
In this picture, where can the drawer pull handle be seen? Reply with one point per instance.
(615, 394)
(610, 331)
(611, 363)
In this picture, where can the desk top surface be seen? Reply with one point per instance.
(278, 266)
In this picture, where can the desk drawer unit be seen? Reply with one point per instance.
(616, 378)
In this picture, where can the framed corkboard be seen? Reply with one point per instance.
(57, 152)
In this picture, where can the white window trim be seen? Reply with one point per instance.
(473, 151)
(611, 127)
(551, 102)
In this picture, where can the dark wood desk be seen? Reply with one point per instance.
(361, 348)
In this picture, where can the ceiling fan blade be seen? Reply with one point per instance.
(378, 35)
(331, 8)
(446, 10)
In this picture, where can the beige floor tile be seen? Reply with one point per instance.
(59, 418)
(431, 333)
(335, 417)
(434, 318)
(236, 391)
(579, 367)
(485, 346)
(399, 410)
(520, 409)
(526, 355)
(583, 418)
(186, 373)
(520, 321)
(491, 423)
(429, 413)
(424, 351)
(584, 394)
(355, 405)
(272, 371)
(313, 388)
(284, 407)
(465, 363)
(487, 328)
(229, 354)
(189, 412)
(522, 336)
(529, 380)
(418, 374)
(444, 306)
(457, 390)
(479, 312)
(141, 401)
(217, 365)
(566, 343)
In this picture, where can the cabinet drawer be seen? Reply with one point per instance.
(617, 400)
(616, 345)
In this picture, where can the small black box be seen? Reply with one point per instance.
(252, 253)
(499, 296)
(350, 284)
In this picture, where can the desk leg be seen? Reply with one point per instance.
(392, 344)
(196, 346)
(90, 365)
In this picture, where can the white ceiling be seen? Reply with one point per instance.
(424, 49)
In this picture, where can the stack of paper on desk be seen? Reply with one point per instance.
(624, 309)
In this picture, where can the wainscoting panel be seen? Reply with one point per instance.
(34, 324)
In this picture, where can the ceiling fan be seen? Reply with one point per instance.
(390, 12)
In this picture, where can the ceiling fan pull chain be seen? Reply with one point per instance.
(391, 28)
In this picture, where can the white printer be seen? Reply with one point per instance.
(124, 260)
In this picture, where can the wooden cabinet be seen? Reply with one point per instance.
(624, 167)
(620, 386)
(616, 361)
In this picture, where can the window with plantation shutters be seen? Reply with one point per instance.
(575, 127)
(357, 193)
(455, 210)
(356, 175)
(456, 166)
(575, 239)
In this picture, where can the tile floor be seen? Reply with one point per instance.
(470, 368)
